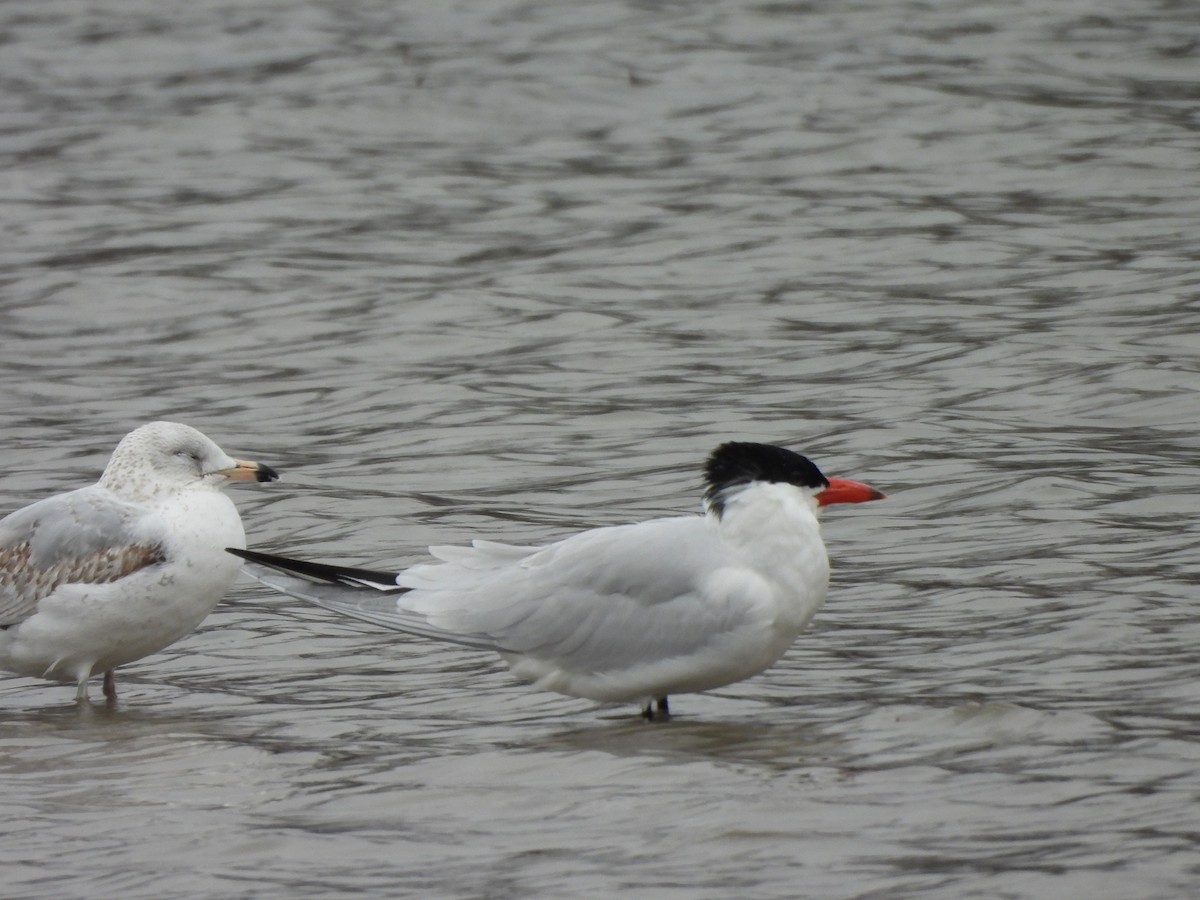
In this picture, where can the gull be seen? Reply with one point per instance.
(621, 613)
(107, 574)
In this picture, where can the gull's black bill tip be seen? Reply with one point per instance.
(265, 473)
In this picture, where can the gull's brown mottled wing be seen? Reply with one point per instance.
(84, 537)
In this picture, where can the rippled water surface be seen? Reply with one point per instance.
(510, 269)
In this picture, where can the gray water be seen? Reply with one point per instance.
(510, 269)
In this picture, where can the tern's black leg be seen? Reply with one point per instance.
(649, 712)
(110, 685)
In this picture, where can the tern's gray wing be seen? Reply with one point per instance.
(609, 597)
(603, 598)
(86, 536)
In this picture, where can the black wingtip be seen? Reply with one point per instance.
(345, 575)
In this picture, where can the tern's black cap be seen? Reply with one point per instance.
(738, 463)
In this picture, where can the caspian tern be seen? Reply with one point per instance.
(104, 575)
(622, 613)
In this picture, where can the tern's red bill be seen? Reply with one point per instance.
(843, 490)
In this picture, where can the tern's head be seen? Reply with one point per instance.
(735, 465)
(165, 456)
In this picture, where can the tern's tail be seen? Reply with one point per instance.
(364, 594)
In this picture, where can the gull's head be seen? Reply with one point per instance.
(736, 465)
(168, 456)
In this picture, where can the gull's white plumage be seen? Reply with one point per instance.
(629, 612)
(104, 575)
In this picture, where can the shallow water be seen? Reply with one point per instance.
(511, 269)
